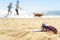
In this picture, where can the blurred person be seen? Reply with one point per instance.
(17, 7)
(9, 9)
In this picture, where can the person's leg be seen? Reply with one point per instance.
(17, 12)
(8, 13)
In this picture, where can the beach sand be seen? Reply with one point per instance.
(21, 29)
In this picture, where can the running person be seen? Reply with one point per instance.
(17, 7)
(9, 9)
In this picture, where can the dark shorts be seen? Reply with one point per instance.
(9, 10)
(16, 11)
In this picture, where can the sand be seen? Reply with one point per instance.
(21, 29)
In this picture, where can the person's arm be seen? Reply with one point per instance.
(20, 8)
(7, 6)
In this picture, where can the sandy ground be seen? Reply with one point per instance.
(21, 29)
